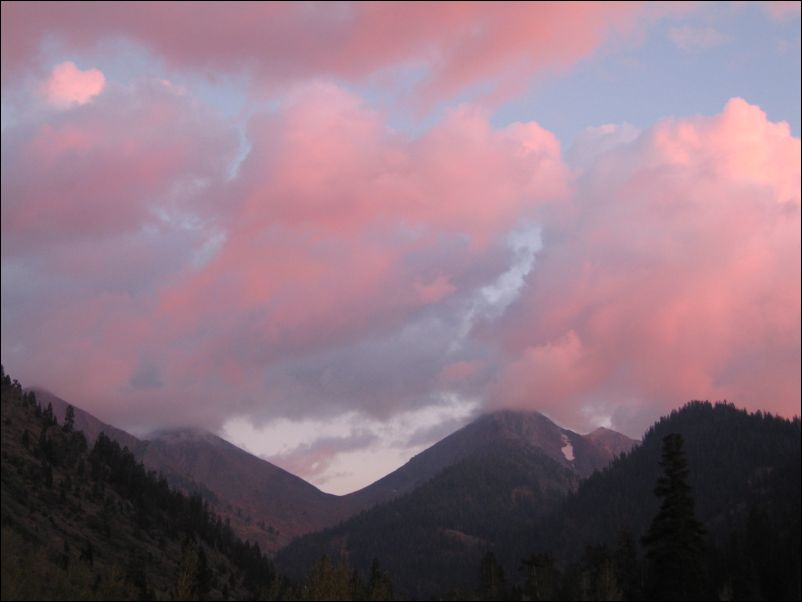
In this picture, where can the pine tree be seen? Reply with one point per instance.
(48, 414)
(69, 420)
(192, 580)
(492, 583)
(675, 540)
(379, 586)
(627, 565)
(542, 577)
(327, 581)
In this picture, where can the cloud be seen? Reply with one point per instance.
(695, 39)
(346, 268)
(103, 169)
(326, 451)
(676, 278)
(782, 9)
(337, 266)
(68, 85)
(343, 233)
(596, 141)
(313, 460)
(456, 45)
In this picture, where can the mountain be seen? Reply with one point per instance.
(611, 442)
(735, 458)
(267, 504)
(580, 454)
(85, 422)
(263, 502)
(745, 474)
(516, 493)
(94, 523)
(476, 490)
(82, 522)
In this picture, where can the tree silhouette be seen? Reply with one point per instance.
(69, 420)
(675, 540)
(379, 586)
(542, 577)
(492, 583)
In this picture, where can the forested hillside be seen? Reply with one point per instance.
(92, 523)
(431, 540)
(509, 522)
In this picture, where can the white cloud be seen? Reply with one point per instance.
(321, 450)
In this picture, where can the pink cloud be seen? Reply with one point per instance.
(782, 9)
(459, 44)
(337, 230)
(350, 255)
(328, 185)
(68, 85)
(103, 169)
(434, 291)
(461, 372)
(677, 278)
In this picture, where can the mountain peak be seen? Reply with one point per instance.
(513, 429)
(182, 435)
(611, 441)
(509, 415)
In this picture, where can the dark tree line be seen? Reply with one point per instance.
(677, 559)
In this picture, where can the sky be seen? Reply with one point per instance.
(333, 233)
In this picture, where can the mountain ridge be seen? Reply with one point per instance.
(522, 502)
(272, 506)
(531, 427)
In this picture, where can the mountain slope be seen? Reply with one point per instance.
(426, 538)
(91, 523)
(263, 502)
(272, 506)
(474, 491)
(612, 442)
(510, 496)
(589, 452)
(269, 504)
(734, 457)
(85, 422)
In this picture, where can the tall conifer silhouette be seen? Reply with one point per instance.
(675, 540)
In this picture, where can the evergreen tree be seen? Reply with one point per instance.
(192, 580)
(542, 577)
(327, 581)
(492, 583)
(598, 579)
(379, 586)
(675, 540)
(69, 420)
(88, 553)
(627, 566)
(48, 414)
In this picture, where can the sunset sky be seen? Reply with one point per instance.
(333, 233)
